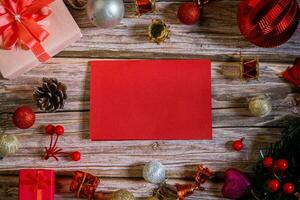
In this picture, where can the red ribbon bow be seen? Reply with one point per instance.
(292, 74)
(19, 25)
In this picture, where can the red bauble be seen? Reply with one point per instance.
(268, 162)
(59, 130)
(288, 188)
(49, 129)
(76, 155)
(281, 165)
(24, 117)
(273, 185)
(268, 23)
(188, 13)
(238, 145)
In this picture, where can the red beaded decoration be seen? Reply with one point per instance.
(76, 155)
(273, 185)
(268, 162)
(288, 188)
(281, 165)
(238, 144)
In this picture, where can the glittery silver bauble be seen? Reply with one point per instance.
(154, 172)
(260, 106)
(105, 13)
(9, 145)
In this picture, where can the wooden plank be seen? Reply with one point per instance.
(217, 36)
(75, 73)
(9, 188)
(126, 158)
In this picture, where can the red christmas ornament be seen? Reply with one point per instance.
(238, 145)
(49, 129)
(268, 162)
(268, 23)
(59, 130)
(281, 165)
(288, 188)
(24, 117)
(188, 13)
(76, 155)
(273, 185)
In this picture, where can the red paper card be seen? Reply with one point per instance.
(150, 100)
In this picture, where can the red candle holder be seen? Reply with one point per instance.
(144, 6)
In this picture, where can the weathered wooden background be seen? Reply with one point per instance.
(120, 163)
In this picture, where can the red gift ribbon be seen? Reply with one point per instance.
(19, 25)
(37, 183)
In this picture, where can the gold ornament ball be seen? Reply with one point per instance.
(122, 195)
(9, 145)
(260, 106)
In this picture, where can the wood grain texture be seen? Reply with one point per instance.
(119, 164)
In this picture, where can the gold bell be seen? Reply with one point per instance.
(158, 31)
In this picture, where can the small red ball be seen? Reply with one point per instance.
(268, 162)
(288, 188)
(273, 185)
(76, 155)
(238, 145)
(24, 117)
(49, 129)
(188, 13)
(281, 165)
(59, 130)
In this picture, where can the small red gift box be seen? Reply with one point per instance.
(36, 184)
(84, 184)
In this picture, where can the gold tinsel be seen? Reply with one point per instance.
(9, 145)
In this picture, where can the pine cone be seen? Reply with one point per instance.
(51, 95)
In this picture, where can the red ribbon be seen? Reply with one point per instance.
(19, 25)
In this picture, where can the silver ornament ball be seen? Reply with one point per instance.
(154, 172)
(9, 145)
(105, 13)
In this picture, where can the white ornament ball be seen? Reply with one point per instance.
(9, 145)
(154, 172)
(105, 13)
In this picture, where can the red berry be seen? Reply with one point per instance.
(188, 13)
(238, 145)
(49, 129)
(281, 165)
(59, 130)
(268, 162)
(76, 155)
(273, 185)
(24, 117)
(288, 188)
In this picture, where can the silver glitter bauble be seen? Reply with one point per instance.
(154, 172)
(105, 13)
(260, 106)
(9, 145)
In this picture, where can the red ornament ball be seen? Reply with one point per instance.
(188, 13)
(49, 129)
(281, 165)
(59, 130)
(24, 117)
(268, 162)
(76, 155)
(288, 188)
(268, 23)
(238, 145)
(273, 185)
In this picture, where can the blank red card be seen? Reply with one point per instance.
(150, 100)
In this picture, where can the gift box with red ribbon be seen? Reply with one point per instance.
(36, 184)
(84, 184)
(32, 31)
